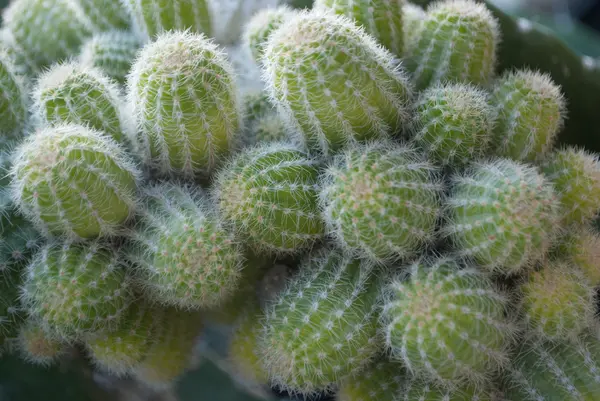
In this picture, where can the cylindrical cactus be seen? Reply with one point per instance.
(581, 248)
(73, 181)
(261, 25)
(447, 323)
(529, 111)
(382, 19)
(575, 174)
(184, 256)
(14, 101)
(112, 52)
(186, 109)
(324, 325)
(332, 82)
(36, 346)
(382, 380)
(457, 41)
(76, 289)
(105, 15)
(503, 214)
(268, 194)
(381, 201)
(75, 94)
(453, 124)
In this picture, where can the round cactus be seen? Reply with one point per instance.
(184, 256)
(72, 93)
(268, 194)
(268, 128)
(453, 124)
(575, 174)
(74, 181)
(105, 15)
(381, 19)
(447, 323)
(37, 347)
(581, 248)
(324, 325)
(412, 17)
(381, 201)
(230, 17)
(333, 83)
(154, 17)
(256, 104)
(457, 42)
(111, 52)
(46, 31)
(120, 351)
(503, 214)
(420, 390)
(382, 381)
(186, 109)
(14, 101)
(76, 289)
(261, 25)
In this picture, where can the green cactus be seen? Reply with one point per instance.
(18, 241)
(529, 113)
(503, 214)
(381, 201)
(268, 128)
(105, 15)
(75, 289)
(333, 83)
(412, 18)
(184, 257)
(186, 109)
(261, 25)
(382, 381)
(575, 174)
(112, 52)
(74, 181)
(152, 18)
(420, 390)
(447, 323)
(268, 194)
(37, 347)
(381, 19)
(582, 248)
(72, 93)
(12, 314)
(453, 124)
(14, 102)
(323, 326)
(256, 104)
(558, 302)
(457, 42)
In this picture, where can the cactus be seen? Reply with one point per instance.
(256, 104)
(453, 123)
(575, 174)
(186, 109)
(14, 102)
(151, 18)
(266, 129)
(323, 326)
(111, 52)
(412, 17)
(502, 214)
(72, 93)
(381, 201)
(37, 347)
(12, 314)
(417, 389)
(74, 181)
(447, 323)
(529, 113)
(105, 15)
(562, 371)
(582, 249)
(171, 352)
(381, 19)
(268, 195)
(184, 257)
(261, 25)
(45, 31)
(457, 42)
(558, 302)
(76, 289)
(18, 241)
(382, 380)
(333, 83)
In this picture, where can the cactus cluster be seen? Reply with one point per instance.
(353, 190)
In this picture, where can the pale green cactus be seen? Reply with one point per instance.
(581, 248)
(105, 15)
(261, 25)
(412, 18)
(382, 380)
(14, 102)
(37, 347)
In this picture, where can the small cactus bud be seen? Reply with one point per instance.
(184, 257)
(582, 249)
(268, 194)
(333, 83)
(447, 323)
(558, 302)
(418, 389)
(74, 181)
(105, 15)
(381, 19)
(502, 214)
(529, 112)
(76, 289)
(323, 326)
(111, 52)
(381, 201)
(186, 107)
(575, 174)
(72, 93)
(261, 25)
(382, 381)
(38, 347)
(453, 124)
(14, 101)
(412, 18)
(457, 42)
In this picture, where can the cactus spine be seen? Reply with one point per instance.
(262, 24)
(14, 101)
(343, 89)
(186, 109)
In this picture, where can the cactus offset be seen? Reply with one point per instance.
(262, 24)
(38, 347)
